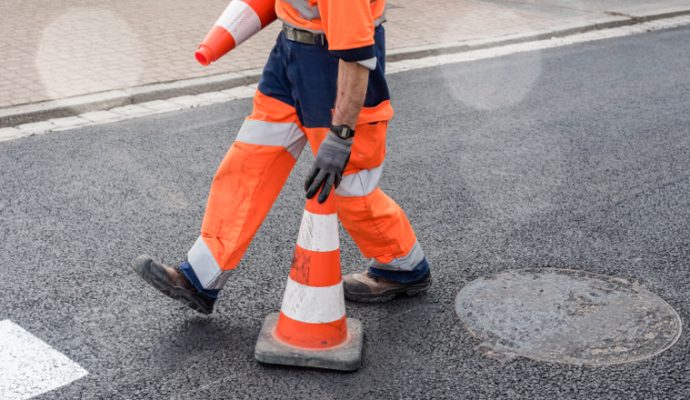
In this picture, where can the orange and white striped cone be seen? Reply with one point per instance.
(241, 20)
(311, 329)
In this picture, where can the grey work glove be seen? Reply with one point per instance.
(331, 159)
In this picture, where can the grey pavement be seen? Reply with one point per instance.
(575, 157)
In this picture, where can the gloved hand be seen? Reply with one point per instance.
(331, 159)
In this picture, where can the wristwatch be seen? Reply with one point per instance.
(343, 131)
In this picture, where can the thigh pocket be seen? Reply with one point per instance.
(369, 146)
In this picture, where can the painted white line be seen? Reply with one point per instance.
(242, 92)
(10, 133)
(29, 366)
(474, 55)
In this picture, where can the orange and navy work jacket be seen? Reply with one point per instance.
(348, 24)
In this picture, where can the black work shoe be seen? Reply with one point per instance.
(367, 288)
(172, 282)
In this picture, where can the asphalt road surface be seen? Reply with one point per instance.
(576, 157)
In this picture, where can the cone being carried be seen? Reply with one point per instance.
(311, 329)
(241, 20)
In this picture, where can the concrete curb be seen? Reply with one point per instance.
(27, 113)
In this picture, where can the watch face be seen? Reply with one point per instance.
(343, 132)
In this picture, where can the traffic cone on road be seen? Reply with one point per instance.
(241, 20)
(311, 329)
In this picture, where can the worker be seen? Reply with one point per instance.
(323, 84)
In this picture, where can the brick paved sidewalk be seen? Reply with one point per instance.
(64, 48)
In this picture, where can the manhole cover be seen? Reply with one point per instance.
(567, 316)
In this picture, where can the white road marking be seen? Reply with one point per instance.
(29, 366)
(242, 92)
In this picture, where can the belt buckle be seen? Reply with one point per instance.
(290, 32)
(305, 37)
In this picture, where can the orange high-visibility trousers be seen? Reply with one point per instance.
(266, 149)
(254, 171)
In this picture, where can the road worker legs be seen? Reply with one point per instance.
(254, 171)
(293, 104)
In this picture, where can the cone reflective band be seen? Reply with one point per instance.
(313, 310)
(311, 329)
(241, 20)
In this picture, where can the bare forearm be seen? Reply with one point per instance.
(353, 79)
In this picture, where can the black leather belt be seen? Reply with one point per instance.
(302, 36)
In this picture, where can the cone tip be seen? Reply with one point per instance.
(203, 55)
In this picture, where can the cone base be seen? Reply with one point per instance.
(345, 357)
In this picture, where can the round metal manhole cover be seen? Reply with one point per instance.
(567, 316)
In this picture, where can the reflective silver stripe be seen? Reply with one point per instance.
(285, 134)
(360, 184)
(369, 64)
(407, 263)
(303, 7)
(296, 147)
(204, 265)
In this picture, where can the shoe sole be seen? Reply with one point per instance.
(409, 291)
(141, 269)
